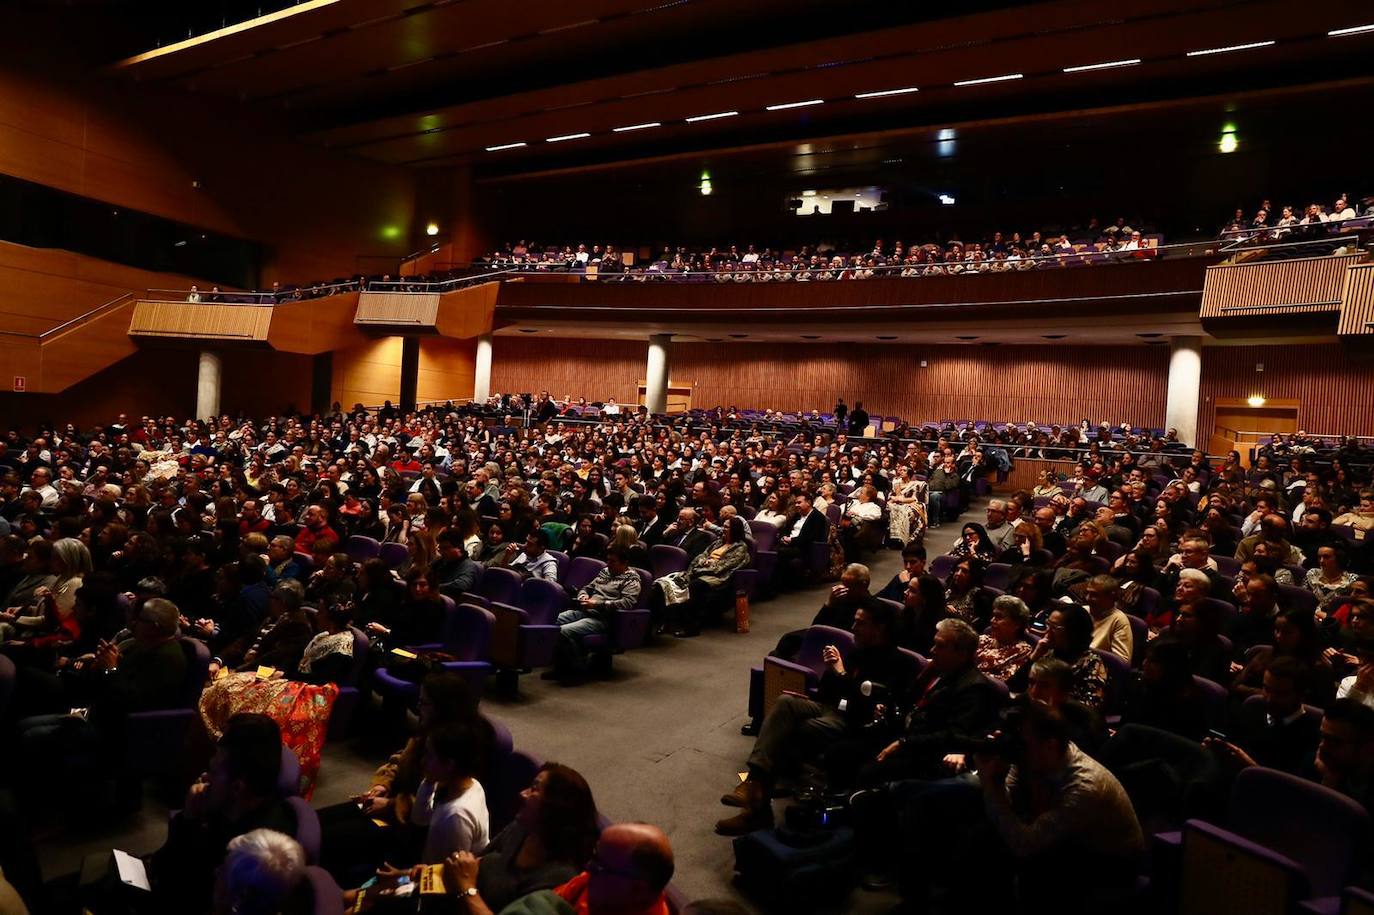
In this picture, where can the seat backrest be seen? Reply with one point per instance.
(562, 559)
(942, 565)
(765, 534)
(1118, 675)
(1140, 637)
(361, 644)
(1321, 829)
(581, 570)
(646, 581)
(500, 585)
(307, 829)
(467, 631)
(542, 600)
(197, 670)
(361, 548)
(393, 554)
(816, 638)
(666, 559)
(997, 575)
(1213, 697)
(289, 777)
(1294, 597)
(325, 896)
(919, 658)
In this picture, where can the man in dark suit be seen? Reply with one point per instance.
(478, 500)
(650, 523)
(798, 727)
(1277, 733)
(951, 704)
(806, 527)
(687, 535)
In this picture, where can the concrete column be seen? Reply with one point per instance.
(481, 376)
(1185, 381)
(656, 376)
(207, 385)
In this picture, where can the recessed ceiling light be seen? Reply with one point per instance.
(712, 117)
(785, 106)
(1229, 48)
(739, 336)
(636, 127)
(1149, 335)
(505, 146)
(566, 136)
(1054, 336)
(886, 92)
(1108, 65)
(989, 79)
(1353, 30)
(529, 330)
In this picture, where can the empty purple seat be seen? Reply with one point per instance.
(580, 572)
(361, 549)
(665, 559)
(542, 599)
(942, 565)
(500, 586)
(765, 534)
(393, 554)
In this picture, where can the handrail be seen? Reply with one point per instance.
(1332, 229)
(300, 293)
(429, 288)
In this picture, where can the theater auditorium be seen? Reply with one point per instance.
(647, 457)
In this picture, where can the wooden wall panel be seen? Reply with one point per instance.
(368, 373)
(958, 382)
(1333, 385)
(316, 325)
(147, 382)
(1298, 286)
(398, 309)
(1357, 301)
(447, 369)
(201, 320)
(206, 162)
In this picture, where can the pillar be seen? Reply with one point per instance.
(656, 375)
(410, 372)
(481, 376)
(1185, 382)
(207, 384)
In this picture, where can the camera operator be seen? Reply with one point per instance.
(848, 700)
(1065, 820)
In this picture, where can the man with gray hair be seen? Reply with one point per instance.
(951, 703)
(1000, 530)
(262, 870)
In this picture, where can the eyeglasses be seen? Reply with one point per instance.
(596, 866)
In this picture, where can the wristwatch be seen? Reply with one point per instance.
(469, 892)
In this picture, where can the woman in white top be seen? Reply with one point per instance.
(71, 562)
(769, 513)
(449, 800)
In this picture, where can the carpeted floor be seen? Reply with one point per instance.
(659, 741)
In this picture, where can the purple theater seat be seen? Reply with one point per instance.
(765, 534)
(307, 828)
(500, 586)
(360, 549)
(1140, 633)
(346, 703)
(1118, 676)
(1214, 698)
(997, 575)
(503, 794)
(289, 778)
(466, 634)
(154, 738)
(942, 565)
(808, 663)
(542, 598)
(562, 559)
(581, 570)
(393, 554)
(1294, 597)
(326, 898)
(665, 559)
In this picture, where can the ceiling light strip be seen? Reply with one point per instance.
(712, 117)
(1229, 48)
(1353, 30)
(637, 127)
(232, 29)
(805, 104)
(886, 92)
(990, 79)
(566, 136)
(1108, 65)
(506, 146)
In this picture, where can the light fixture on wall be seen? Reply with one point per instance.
(1255, 400)
(432, 229)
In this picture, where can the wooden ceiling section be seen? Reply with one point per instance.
(435, 83)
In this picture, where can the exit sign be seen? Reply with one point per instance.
(21, 383)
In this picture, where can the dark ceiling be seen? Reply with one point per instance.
(429, 83)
